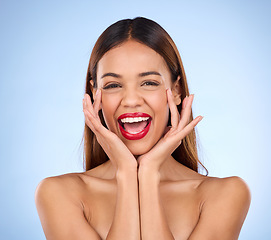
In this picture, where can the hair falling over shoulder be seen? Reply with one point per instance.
(154, 36)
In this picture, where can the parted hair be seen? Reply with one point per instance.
(151, 34)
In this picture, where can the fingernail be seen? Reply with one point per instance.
(169, 90)
(186, 99)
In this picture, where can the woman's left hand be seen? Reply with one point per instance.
(180, 127)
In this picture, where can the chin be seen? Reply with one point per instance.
(138, 152)
(138, 149)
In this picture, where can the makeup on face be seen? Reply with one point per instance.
(134, 126)
(133, 79)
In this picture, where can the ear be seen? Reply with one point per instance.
(176, 91)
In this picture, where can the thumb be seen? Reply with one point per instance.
(166, 130)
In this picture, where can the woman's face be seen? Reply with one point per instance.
(133, 79)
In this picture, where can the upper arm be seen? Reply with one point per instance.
(224, 210)
(60, 214)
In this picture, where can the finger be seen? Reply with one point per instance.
(91, 119)
(88, 104)
(186, 112)
(175, 116)
(97, 102)
(183, 105)
(167, 129)
(188, 129)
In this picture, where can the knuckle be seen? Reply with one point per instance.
(98, 127)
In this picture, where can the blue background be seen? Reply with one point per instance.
(45, 48)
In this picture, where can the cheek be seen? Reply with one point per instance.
(160, 98)
(109, 106)
(158, 102)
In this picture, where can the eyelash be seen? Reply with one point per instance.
(112, 85)
(116, 85)
(151, 83)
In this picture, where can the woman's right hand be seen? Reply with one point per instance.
(115, 149)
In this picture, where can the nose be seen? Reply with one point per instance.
(132, 98)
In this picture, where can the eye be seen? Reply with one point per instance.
(150, 83)
(112, 86)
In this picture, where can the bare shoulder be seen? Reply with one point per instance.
(232, 187)
(61, 209)
(58, 185)
(225, 203)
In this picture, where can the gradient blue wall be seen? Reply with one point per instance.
(44, 49)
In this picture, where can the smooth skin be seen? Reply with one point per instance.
(142, 192)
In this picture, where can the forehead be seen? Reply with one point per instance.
(132, 57)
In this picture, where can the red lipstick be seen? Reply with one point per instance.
(138, 135)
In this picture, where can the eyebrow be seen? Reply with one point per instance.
(149, 73)
(110, 74)
(144, 74)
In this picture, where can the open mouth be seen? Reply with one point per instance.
(134, 126)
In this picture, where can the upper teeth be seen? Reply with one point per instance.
(136, 119)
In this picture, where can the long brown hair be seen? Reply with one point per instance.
(154, 36)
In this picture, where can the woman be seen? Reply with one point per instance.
(142, 179)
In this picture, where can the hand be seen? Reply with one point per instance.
(115, 149)
(180, 127)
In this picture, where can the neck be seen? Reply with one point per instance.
(171, 170)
